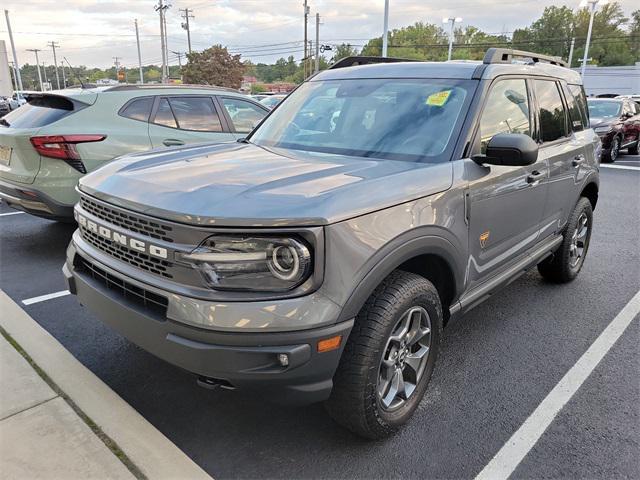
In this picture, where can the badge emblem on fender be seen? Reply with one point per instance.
(483, 239)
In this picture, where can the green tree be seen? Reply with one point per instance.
(343, 50)
(214, 66)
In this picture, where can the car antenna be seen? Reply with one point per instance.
(74, 72)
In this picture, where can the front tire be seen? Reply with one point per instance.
(566, 262)
(389, 357)
(613, 152)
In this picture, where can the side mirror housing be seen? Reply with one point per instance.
(509, 149)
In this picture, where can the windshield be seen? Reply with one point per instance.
(600, 109)
(398, 119)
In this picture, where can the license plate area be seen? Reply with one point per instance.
(5, 155)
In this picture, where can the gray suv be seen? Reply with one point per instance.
(320, 258)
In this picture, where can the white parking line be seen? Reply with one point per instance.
(43, 298)
(10, 213)
(523, 440)
(621, 167)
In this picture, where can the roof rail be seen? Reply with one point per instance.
(354, 61)
(131, 86)
(506, 55)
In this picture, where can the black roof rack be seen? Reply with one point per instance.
(354, 61)
(131, 86)
(506, 55)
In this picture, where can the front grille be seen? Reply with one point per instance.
(149, 301)
(127, 221)
(130, 256)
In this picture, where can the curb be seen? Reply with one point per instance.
(147, 448)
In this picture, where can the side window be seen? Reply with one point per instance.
(196, 113)
(553, 118)
(581, 99)
(138, 109)
(164, 115)
(506, 111)
(575, 116)
(244, 115)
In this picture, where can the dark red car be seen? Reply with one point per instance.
(617, 123)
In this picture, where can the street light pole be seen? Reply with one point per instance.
(385, 28)
(139, 57)
(13, 49)
(451, 21)
(593, 4)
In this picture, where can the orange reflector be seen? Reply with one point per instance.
(329, 344)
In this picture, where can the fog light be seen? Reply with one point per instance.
(283, 358)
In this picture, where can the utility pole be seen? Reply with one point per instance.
(573, 43)
(317, 69)
(36, 50)
(13, 49)
(139, 57)
(44, 70)
(166, 41)
(187, 15)
(451, 21)
(160, 8)
(179, 54)
(53, 46)
(64, 79)
(14, 77)
(305, 59)
(116, 62)
(593, 4)
(385, 28)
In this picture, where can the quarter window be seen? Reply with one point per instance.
(506, 111)
(581, 99)
(196, 113)
(553, 117)
(244, 115)
(138, 109)
(164, 115)
(575, 116)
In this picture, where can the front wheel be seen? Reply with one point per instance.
(389, 357)
(566, 262)
(613, 152)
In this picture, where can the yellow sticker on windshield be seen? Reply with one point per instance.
(438, 99)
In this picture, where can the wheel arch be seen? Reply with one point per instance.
(590, 191)
(432, 257)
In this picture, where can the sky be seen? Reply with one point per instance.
(92, 32)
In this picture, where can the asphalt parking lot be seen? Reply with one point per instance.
(496, 366)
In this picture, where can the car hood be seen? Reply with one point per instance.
(242, 184)
(602, 121)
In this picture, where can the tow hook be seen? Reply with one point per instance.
(214, 383)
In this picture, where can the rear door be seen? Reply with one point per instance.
(183, 119)
(19, 161)
(563, 147)
(631, 123)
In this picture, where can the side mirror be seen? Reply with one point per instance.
(509, 149)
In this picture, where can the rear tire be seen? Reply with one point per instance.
(389, 357)
(566, 262)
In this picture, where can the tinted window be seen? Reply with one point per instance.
(164, 115)
(40, 111)
(575, 116)
(553, 118)
(581, 99)
(395, 119)
(196, 113)
(139, 109)
(244, 115)
(506, 111)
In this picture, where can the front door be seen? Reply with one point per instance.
(505, 203)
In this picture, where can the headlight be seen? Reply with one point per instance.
(254, 263)
(602, 129)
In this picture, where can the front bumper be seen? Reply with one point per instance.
(34, 202)
(247, 361)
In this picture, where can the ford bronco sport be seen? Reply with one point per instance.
(319, 258)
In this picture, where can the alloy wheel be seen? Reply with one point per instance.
(615, 148)
(404, 358)
(579, 240)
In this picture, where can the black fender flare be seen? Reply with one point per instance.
(405, 247)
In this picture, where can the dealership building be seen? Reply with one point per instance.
(612, 80)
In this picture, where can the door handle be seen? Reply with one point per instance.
(534, 177)
(578, 160)
(172, 142)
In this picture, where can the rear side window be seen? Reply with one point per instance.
(553, 117)
(196, 113)
(138, 109)
(40, 111)
(164, 115)
(575, 116)
(506, 111)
